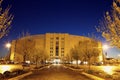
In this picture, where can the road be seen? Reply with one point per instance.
(55, 72)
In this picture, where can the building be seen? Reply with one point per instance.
(56, 45)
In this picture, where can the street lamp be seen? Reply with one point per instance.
(105, 47)
(118, 55)
(8, 45)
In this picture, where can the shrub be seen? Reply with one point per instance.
(108, 76)
(7, 74)
(90, 71)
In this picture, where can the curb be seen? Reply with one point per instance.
(86, 74)
(41, 68)
(26, 74)
(20, 76)
(92, 76)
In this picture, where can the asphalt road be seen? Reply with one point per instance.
(55, 72)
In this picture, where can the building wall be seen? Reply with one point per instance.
(56, 45)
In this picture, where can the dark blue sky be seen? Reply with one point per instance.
(78, 17)
(71, 16)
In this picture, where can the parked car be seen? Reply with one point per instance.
(24, 64)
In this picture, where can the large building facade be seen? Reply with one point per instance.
(56, 45)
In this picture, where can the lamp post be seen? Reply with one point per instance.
(118, 60)
(105, 47)
(8, 45)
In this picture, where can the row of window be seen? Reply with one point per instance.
(57, 51)
(52, 54)
(57, 38)
(57, 44)
(51, 48)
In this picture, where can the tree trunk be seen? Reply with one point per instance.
(89, 63)
(77, 63)
(36, 61)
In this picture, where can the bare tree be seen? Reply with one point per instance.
(76, 53)
(37, 56)
(68, 58)
(45, 56)
(5, 20)
(25, 46)
(90, 50)
(110, 25)
(86, 50)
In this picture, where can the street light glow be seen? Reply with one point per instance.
(109, 69)
(119, 55)
(8, 45)
(105, 47)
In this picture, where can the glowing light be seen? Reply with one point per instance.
(27, 62)
(85, 62)
(10, 68)
(101, 62)
(105, 47)
(108, 69)
(48, 66)
(75, 62)
(5, 68)
(119, 55)
(56, 61)
(8, 45)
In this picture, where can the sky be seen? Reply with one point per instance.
(77, 17)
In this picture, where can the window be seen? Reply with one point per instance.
(62, 49)
(51, 38)
(62, 54)
(57, 51)
(57, 43)
(57, 38)
(62, 38)
(51, 48)
(51, 42)
(51, 51)
(51, 54)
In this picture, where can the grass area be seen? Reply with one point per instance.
(97, 72)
